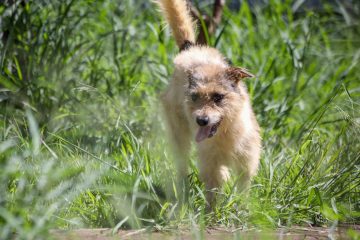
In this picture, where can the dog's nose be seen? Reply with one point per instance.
(202, 121)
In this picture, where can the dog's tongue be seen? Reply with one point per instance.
(203, 133)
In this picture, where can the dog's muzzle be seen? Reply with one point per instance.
(206, 131)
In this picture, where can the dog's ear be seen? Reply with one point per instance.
(237, 73)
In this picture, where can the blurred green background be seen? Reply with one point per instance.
(82, 141)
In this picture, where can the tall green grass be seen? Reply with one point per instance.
(82, 141)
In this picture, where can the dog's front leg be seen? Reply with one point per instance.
(181, 148)
(213, 173)
(179, 135)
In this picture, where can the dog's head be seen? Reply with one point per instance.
(214, 96)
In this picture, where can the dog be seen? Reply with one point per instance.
(207, 101)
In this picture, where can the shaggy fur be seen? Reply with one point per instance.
(207, 101)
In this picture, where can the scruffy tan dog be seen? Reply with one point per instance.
(207, 101)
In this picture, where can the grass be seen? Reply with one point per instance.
(82, 141)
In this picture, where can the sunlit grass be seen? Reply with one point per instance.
(81, 137)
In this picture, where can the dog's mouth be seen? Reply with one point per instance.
(206, 131)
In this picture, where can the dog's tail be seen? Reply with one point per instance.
(178, 16)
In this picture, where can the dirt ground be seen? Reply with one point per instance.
(294, 233)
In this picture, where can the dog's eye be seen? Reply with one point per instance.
(194, 97)
(217, 97)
